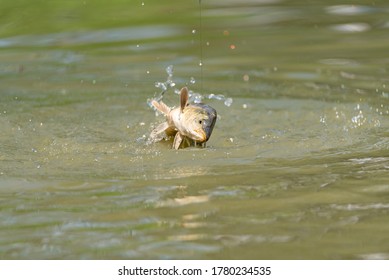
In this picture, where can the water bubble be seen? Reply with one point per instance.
(192, 80)
(194, 31)
(200, 63)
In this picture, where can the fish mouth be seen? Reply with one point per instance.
(201, 136)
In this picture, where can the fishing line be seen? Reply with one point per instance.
(201, 48)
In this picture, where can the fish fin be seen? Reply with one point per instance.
(177, 141)
(156, 134)
(184, 96)
(160, 106)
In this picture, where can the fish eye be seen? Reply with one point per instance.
(200, 121)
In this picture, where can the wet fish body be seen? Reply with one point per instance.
(190, 123)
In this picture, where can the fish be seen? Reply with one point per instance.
(190, 124)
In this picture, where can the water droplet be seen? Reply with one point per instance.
(169, 70)
(192, 80)
(143, 3)
(219, 97)
(244, 106)
(228, 102)
(161, 86)
(194, 31)
(200, 63)
(196, 97)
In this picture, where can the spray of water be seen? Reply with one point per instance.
(194, 97)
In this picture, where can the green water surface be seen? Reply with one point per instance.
(296, 168)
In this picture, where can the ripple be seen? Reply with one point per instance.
(375, 256)
(351, 27)
(356, 207)
(90, 37)
(183, 201)
(348, 10)
(338, 61)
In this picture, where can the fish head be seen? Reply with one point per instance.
(199, 121)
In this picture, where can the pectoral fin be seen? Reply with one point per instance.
(177, 141)
(162, 107)
(157, 133)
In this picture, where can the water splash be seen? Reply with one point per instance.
(194, 97)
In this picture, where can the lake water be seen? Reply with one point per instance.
(297, 166)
